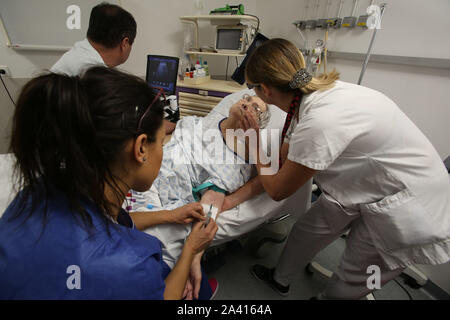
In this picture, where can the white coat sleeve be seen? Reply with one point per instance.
(318, 139)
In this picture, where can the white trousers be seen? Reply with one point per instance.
(315, 230)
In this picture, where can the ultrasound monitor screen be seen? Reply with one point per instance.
(228, 39)
(162, 73)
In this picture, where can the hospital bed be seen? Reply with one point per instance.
(248, 216)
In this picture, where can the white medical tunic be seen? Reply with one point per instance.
(373, 161)
(79, 58)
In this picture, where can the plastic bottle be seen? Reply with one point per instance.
(205, 66)
(187, 74)
(197, 65)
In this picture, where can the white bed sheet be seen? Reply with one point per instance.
(6, 183)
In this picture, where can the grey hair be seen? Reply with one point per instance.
(264, 118)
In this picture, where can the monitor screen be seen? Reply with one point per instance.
(162, 73)
(228, 39)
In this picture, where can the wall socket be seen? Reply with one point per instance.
(4, 71)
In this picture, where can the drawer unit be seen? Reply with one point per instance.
(199, 99)
(196, 104)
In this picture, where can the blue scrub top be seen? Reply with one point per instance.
(65, 261)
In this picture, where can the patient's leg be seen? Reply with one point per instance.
(215, 198)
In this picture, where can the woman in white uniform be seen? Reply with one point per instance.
(380, 176)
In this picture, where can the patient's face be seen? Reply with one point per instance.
(250, 104)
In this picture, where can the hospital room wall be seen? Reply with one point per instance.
(421, 92)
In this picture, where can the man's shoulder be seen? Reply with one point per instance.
(79, 58)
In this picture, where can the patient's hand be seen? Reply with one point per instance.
(215, 198)
(188, 213)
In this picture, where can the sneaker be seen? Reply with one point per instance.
(265, 274)
(214, 284)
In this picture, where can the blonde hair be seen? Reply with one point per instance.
(276, 61)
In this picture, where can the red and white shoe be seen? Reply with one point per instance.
(214, 284)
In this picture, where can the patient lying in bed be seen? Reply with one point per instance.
(201, 163)
(183, 168)
(197, 155)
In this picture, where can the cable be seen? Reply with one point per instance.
(7, 91)
(252, 15)
(226, 72)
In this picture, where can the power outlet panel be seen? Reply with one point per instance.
(4, 71)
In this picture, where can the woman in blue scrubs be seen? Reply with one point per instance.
(80, 145)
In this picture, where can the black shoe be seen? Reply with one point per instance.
(266, 275)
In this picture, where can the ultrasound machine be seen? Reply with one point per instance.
(162, 73)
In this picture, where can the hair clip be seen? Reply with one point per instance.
(300, 79)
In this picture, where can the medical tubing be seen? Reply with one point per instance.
(338, 15)
(369, 50)
(327, 7)
(306, 10)
(355, 6)
(316, 15)
(325, 52)
(7, 91)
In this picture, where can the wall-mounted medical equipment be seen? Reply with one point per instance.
(362, 20)
(229, 10)
(317, 56)
(337, 21)
(231, 38)
(322, 22)
(372, 40)
(312, 23)
(350, 21)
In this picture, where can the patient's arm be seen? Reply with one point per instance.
(215, 198)
(247, 191)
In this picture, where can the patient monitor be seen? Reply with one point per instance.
(231, 39)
